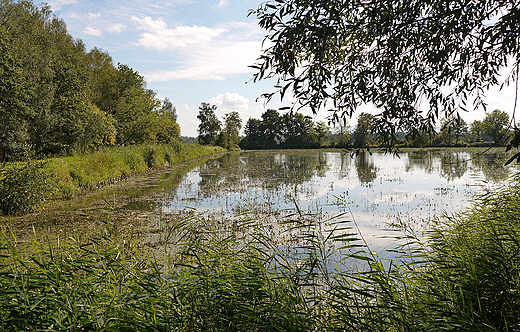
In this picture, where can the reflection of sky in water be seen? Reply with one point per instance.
(376, 190)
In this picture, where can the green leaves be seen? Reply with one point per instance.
(413, 60)
(209, 126)
(56, 98)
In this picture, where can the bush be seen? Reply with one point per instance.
(23, 186)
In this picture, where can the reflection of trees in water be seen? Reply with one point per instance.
(263, 168)
(366, 170)
(292, 170)
(453, 165)
(225, 170)
(492, 165)
(342, 169)
(421, 159)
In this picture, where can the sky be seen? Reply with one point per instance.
(193, 51)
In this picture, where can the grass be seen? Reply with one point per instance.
(24, 185)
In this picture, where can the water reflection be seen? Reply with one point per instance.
(365, 168)
(376, 190)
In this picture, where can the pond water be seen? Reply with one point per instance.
(380, 192)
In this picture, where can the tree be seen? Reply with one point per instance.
(14, 111)
(343, 136)
(363, 132)
(252, 134)
(476, 131)
(223, 140)
(495, 125)
(209, 126)
(233, 124)
(271, 129)
(400, 56)
(321, 134)
(453, 130)
(297, 131)
(134, 108)
(169, 130)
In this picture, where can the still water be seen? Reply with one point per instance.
(382, 193)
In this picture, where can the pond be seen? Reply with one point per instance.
(381, 193)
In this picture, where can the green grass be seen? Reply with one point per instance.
(25, 185)
(205, 275)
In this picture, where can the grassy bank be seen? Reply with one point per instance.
(205, 275)
(24, 185)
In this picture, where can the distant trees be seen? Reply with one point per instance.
(476, 131)
(211, 131)
(232, 126)
(57, 97)
(495, 125)
(453, 131)
(363, 132)
(294, 130)
(288, 131)
(209, 126)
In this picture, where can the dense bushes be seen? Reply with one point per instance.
(22, 186)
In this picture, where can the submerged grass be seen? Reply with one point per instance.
(315, 275)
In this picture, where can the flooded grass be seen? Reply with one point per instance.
(381, 192)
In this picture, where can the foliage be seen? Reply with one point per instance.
(495, 125)
(453, 131)
(343, 137)
(58, 98)
(363, 132)
(209, 126)
(476, 131)
(413, 60)
(240, 276)
(288, 131)
(232, 126)
(22, 187)
(471, 274)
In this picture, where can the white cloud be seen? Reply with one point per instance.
(187, 107)
(115, 28)
(93, 32)
(59, 4)
(160, 37)
(222, 4)
(93, 16)
(230, 101)
(212, 62)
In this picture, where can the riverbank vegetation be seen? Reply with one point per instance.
(205, 276)
(23, 185)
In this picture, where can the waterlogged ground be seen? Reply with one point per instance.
(379, 195)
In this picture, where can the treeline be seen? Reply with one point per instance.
(294, 130)
(56, 97)
(288, 131)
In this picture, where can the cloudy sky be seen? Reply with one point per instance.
(191, 51)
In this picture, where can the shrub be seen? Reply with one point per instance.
(23, 186)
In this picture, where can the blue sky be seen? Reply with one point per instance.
(193, 51)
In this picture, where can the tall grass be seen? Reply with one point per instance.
(25, 185)
(303, 273)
